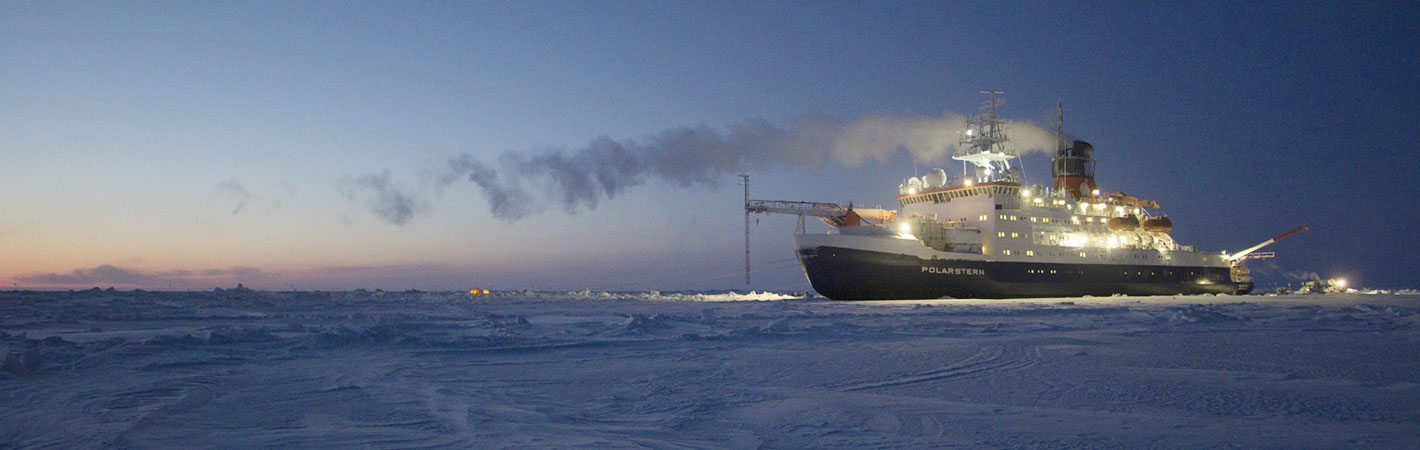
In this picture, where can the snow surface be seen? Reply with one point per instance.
(238, 368)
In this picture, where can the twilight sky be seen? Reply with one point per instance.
(568, 145)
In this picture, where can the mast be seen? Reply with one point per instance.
(1073, 169)
(1060, 126)
(746, 183)
(984, 145)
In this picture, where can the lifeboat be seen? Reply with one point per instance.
(1158, 224)
(1124, 223)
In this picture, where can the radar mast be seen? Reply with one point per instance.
(983, 144)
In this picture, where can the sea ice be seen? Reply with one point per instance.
(241, 368)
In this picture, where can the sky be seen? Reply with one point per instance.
(572, 145)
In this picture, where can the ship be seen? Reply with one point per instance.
(986, 234)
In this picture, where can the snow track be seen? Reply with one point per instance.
(990, 360)
(101, 369)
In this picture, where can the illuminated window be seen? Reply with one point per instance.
(1015, 235)
(1000, 234)
(1013, 217)
(982, 218)
(1006, 252)
(1032, 219)
(1082, 254)
(1030, 252)
(1003, 217)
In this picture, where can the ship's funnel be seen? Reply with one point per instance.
(1073, 169)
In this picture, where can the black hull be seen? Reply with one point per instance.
(849, 274)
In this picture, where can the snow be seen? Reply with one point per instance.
(240, 368)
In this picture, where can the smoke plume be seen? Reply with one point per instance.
(688, 156)
(234, 192)
(1301, 276)
(385, 200)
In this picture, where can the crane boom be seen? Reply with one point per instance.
(1243, 254)
(815, 209)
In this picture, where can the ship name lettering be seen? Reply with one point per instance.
(954, 271)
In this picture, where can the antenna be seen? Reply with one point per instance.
(746, 182)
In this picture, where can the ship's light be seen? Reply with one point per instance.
(1025, 193)
(1099, 206)
(968, 132)
(967, 182)
(1095, 192)
(1341, 283)
(1119, 210)
(904, 228)
(1039, 200)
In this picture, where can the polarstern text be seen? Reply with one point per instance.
(954, 271)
